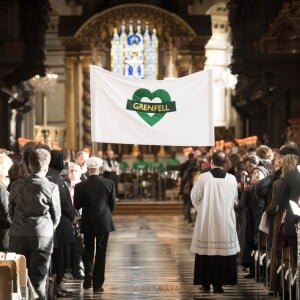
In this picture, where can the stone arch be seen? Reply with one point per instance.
(90, 44)
(167, 24)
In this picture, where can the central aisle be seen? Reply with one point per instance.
(148, 257)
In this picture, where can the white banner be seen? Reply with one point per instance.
(175, 112)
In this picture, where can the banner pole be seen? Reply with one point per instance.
(93, 148)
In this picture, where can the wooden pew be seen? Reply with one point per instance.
(16, 265)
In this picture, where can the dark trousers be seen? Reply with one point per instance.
(98, 268)
(187, 205)
(216, 270)
(61, 261)
(77, 253)
(37, 251)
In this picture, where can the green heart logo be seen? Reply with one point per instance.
(158, 110)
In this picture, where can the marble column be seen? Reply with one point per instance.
(70, 103)
(86, 60)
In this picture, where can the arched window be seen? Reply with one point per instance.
(135, 53)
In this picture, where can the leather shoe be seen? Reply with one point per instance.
(205, 288)
(61, 293)
(218, 290)
(98, 289)
(87, 283)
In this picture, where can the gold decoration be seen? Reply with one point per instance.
(70, 102)
(162, 152)
(135, 150)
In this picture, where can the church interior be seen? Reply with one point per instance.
(46, 49)
(253, 50)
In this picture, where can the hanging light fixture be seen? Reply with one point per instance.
(44, 84)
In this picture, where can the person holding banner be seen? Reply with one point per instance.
(215, 242)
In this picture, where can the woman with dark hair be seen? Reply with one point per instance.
(27, 150)
(18, 170)
(234, 160)
(64, 234)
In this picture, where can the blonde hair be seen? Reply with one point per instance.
(39, 159)
(289, 163)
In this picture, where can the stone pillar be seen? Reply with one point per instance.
(70, 103)
(86, 100)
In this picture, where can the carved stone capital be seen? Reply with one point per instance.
(70, 62)
(86, 61)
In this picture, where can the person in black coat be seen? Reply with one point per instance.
(96, 196)
(64, 234)
(264, 186)
(187, 171)
(290, 190)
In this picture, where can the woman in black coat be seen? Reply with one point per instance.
(64, 234)
(251, 208)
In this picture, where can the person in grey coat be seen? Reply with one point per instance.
(34, 207)
(96, 197)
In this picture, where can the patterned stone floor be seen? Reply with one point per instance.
(149, 258)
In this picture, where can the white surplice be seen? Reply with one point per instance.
(215, 228)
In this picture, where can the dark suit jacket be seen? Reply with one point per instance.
(96, 196)
(64, 232)
(289, 190)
